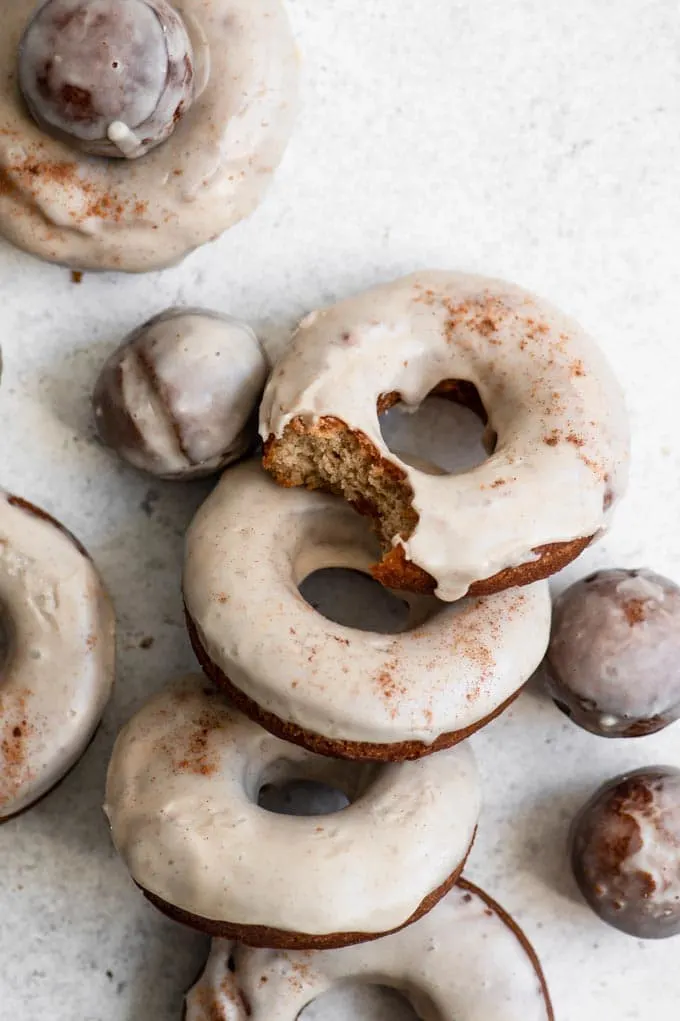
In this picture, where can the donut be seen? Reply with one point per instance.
(556, 429)
(182, 800)
(613, 663)
(203, 90)
(624, 852)
(467, 956)
(178, 398)
(56, 653)
(333, 689)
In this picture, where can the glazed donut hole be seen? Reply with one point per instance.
(623, 846)
(448, 434)
(613, 663)
(110, 77)
(178, 398)
(311, 786)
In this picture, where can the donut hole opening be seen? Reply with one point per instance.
(360, 1002)
(302, 797)
(354, 599)
(313, 786)
(447, 434)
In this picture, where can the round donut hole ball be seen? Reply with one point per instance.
(624, 852)
(178, 398)
(613, 663)
(111, 77)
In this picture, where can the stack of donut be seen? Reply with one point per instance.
(289, 695)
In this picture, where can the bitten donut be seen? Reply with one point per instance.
(56, 653)
(466, 960)
(334, 689)
(178, 398)
(556, 429)
(182, 800)
(613, 663)
(203, 90)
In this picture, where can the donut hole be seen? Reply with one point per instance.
(301, 797)
(360, 1002)
(354, 599)
(312, 786)
(447, 434)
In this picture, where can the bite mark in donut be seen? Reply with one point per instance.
(556, 423)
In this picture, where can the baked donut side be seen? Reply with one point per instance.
(339, 690)
(467, 956)
(355, 751)
(182, 799)
(56, 653)
(556, 424)
(266, 937)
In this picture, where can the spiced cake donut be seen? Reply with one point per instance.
(335, 689)
(466, 960)
(133, 131)
(556, 428)
(182, 800)
(56, 653)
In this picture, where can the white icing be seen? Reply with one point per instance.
(182, 802)
(562, 448)
(208, 372)
(57, 677)
(247, 550)
(141, 215)
(461, 962)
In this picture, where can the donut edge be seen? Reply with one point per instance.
(269, 938)
(356, 751)
(31, 508)
(519, 934)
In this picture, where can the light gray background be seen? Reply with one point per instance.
(533, 139)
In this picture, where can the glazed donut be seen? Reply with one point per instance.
(556, 429)
(178, 398)
(333, 689)
(214, 81)
(182, 794)
(56, 653)
(466, 960)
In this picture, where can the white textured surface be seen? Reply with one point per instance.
(534, 140)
